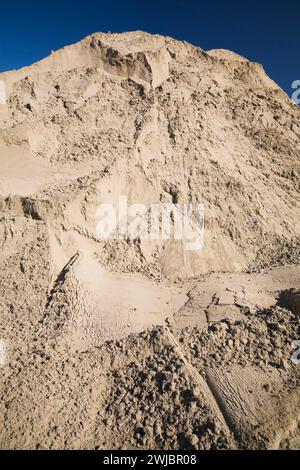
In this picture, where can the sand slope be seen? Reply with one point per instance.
(142, 344)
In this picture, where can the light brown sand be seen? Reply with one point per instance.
(143, 344)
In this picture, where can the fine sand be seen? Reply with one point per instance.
(142, 344)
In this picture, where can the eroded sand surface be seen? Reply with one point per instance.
(142, 344)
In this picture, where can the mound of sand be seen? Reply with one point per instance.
(168, 347)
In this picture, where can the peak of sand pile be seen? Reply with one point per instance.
(104, 350)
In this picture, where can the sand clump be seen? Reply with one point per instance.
(138, 343)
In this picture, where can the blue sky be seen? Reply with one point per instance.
(266, 31)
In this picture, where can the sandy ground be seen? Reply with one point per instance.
(126, 344)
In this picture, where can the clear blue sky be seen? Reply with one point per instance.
(266, 31)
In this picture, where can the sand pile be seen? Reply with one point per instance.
(117, 335)
(156, 120)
